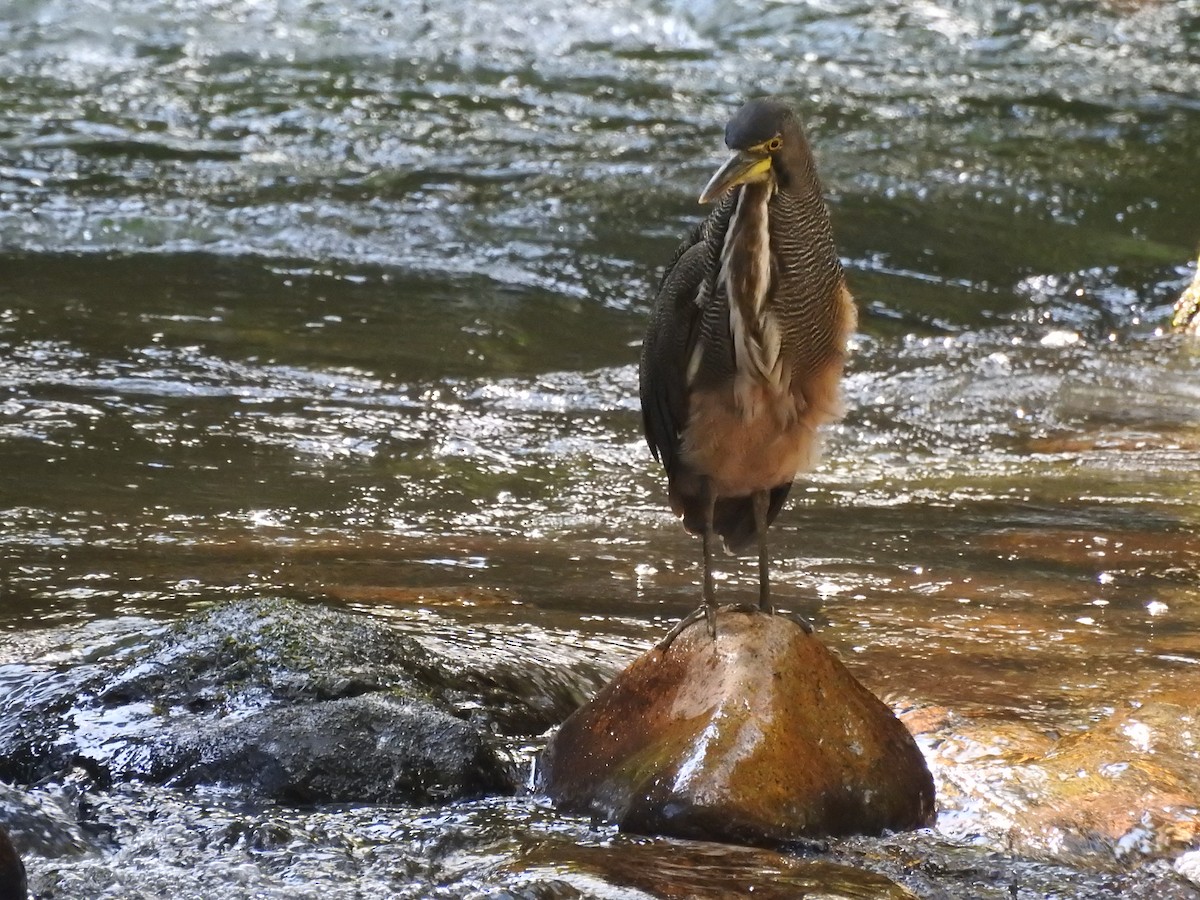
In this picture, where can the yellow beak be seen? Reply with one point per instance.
(740, 168)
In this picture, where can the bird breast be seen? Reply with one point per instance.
(756, 429)
(745, 277)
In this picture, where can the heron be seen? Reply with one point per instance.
(743, 358)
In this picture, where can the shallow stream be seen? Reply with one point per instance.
(342, 301)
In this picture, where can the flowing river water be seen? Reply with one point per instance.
(343, 301)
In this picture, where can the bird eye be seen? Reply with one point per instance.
(774, 143)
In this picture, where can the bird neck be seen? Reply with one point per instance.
(796, 178)
(807, 268)
(798, 207)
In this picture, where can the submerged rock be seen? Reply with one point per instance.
(686, 870)
(1124, 790)
(759, 736)
(45, 821)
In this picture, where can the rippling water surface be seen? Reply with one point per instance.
(344, 300)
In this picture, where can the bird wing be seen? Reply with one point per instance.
(668, 347)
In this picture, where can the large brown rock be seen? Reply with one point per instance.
(760, 736)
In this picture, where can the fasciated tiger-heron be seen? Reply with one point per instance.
(743, 359)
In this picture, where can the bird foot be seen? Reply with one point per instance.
(706, 611)
(804, 623)
(709, 613)
(769, 609)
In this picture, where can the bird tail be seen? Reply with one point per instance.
(733, 517)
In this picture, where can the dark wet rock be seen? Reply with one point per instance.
(372, 749)
(199, 701)
(1122, 791)
(36, 702)
(241, 655)
(759, 736)
(12, 871)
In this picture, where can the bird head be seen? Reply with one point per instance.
(761, 135)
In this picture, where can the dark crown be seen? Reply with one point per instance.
(757, 121)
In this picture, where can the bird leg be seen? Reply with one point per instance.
(709, 609)
(761, 501)
(710, 592)
(681, 626)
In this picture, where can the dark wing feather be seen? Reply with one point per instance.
(687, 288)
(667, 348)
